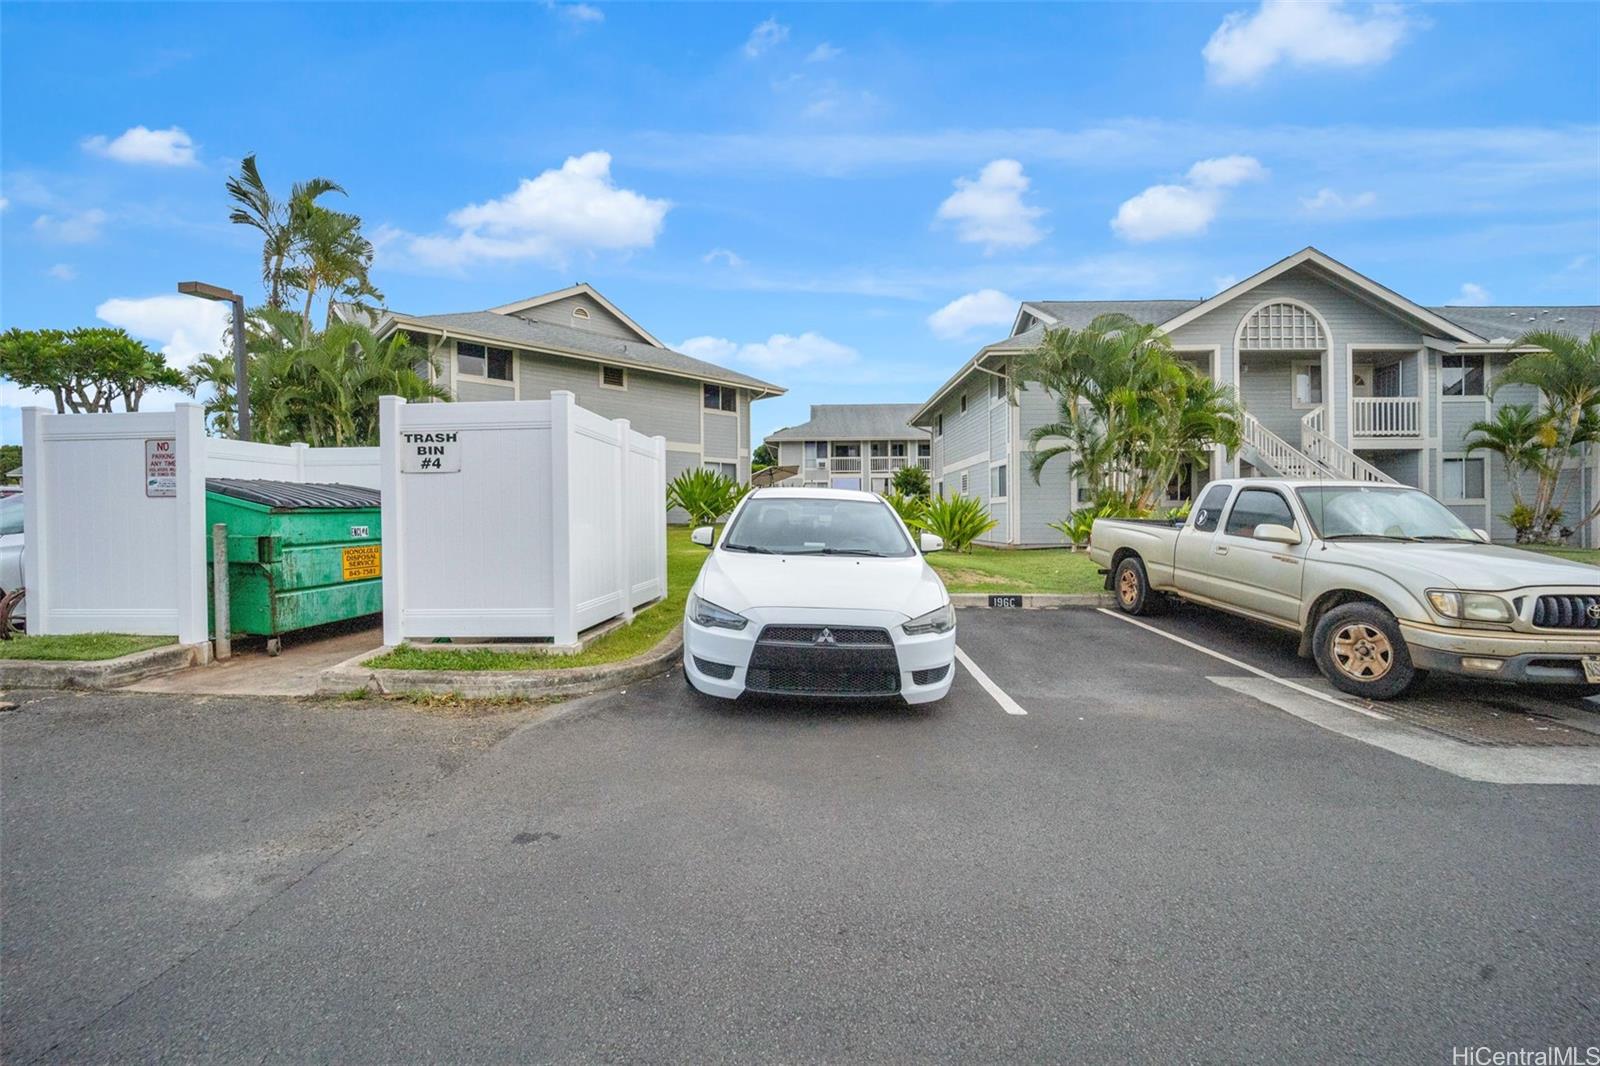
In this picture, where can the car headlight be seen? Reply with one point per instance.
(706, 613)
(1470, 606)
(939, 620)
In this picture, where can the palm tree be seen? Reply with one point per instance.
(215, 372)
(333, 257)
(280, 222)
(1566, 371)
(1518, 437)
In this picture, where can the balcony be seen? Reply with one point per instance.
(1386, 416)
(846, 464)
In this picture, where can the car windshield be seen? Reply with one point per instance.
(816, 526)
(1381, 512)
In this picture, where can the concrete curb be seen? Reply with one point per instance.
(102, 673)
(1035, 601)
(353, 674)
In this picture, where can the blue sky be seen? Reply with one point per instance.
(845, 199)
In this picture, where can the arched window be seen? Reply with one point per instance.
(1282, 327)
(580, 312)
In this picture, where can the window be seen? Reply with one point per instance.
(1461, 375)
(477, 361)
(721, 398)
(1257, 507)
(997, 481)
(727, 470)
(1463, 479)
(613, 377)
(1084, 493)
(1209, 513)
(938, 487)
(1000, 388)
(580, 312)
(897, 449)
(1307, 385)
(1179, 486)
(963, 403)
(778, 525)
(847, 451)
(925, 449)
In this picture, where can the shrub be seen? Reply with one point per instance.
(911, 481)
(1076, 526)
(960, 520)
(705, 494)
(911, 509)
(1524, 522)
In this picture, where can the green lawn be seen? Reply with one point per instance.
(1577, 555)
(1009, 570)
(78, 646)
(646, 630)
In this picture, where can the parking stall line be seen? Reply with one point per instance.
(1007, 704)
(1231, 661)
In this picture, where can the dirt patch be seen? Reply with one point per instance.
(450, 704)
(962, 578)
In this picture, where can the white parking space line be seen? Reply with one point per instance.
(1007, 704)
(1231, 661)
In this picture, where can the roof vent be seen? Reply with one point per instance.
(580, 312)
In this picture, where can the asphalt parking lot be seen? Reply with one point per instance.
(1147, 864)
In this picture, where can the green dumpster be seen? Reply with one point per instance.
(298, 555)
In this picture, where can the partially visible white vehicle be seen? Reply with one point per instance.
(10, 544)
(819, 592)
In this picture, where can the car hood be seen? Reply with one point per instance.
(741, 582)
(1488, 567)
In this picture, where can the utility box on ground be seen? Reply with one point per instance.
(299, 555)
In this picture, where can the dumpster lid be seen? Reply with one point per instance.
(291, 494)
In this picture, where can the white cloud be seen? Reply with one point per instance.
(161, 148)
(808, 351)
(1471, 295)
(576, 208)
(959, 317)
(63, 272)
(78, 228)
(578, 12)
(990, 211)
(726, 255)
(823, 52)
(764, 37)
(1330, 200)
(4, 203)
(1163, 211)
(183, 326)
(1309, 33)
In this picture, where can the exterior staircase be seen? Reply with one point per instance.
(1319, 455)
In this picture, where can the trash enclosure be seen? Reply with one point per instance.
(299, 555)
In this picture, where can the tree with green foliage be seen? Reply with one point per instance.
(705, 495)
(86, 369)
(959, 520)
(10, 459)
(762, 458)
(282, 223)
(911, 481)
(911, 509)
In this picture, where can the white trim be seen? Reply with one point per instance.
(963, 464)
(582, 288)
(1476, 397)
(995, 464)
(1322, 374)
(603, 367)
(1424, 437)
(1338, 270)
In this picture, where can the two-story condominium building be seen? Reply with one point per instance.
(852, 445)
(1338, 377)
(576, 339)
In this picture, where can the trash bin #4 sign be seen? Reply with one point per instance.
(160, 467)
(430, 452)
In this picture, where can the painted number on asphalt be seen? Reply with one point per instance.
(362, 562)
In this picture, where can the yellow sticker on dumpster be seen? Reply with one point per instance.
(362, 562)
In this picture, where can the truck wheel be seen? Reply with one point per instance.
(1132, 586)
(1359, 648)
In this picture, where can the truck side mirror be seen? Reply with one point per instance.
(701, 536)
(1277, 534)
(1483, 535)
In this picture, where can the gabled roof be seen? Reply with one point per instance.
(492, 327)
(854, 421)
(583, 288)
(1505, 324)
(1359, 282)
(1076, 314)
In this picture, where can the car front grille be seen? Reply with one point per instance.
(823, 661)
(928, 677)
(1567, 612)
(720, 671)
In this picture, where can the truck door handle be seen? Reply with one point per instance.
(1222, 549)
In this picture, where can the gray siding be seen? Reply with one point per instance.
(791, 453)
(721, 440)
(1051, 498)
(654, 404)
(479, 390)
(1267, 391)
(599, 321)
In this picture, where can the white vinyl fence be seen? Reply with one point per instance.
(533, 518)
(114, 514)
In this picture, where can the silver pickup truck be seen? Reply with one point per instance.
(1381, 582)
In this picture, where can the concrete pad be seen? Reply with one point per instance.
(252, 672)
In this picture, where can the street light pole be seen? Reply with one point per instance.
(241, 366)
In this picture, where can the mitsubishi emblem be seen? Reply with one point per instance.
(825, 637)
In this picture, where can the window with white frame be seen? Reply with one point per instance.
(727, 470)
(614, 377)
(924, 449)
(1461, 375)
(1282, 327)
(721, 398)
(997, 482)
(482, 361)
(1307, 384)
(1463, 478)
(938, 425)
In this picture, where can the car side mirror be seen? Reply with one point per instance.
(702, 536)
(1277, 534)
(930, 542)
(1483, 535)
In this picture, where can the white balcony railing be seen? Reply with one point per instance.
(846, 464)
(1386, 416)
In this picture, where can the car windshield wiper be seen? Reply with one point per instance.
(1369, 536)
(748, 548)
(841, 551)
(1449, 537)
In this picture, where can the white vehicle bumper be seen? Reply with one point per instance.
(918, 669)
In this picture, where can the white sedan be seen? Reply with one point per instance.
(819, 592)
